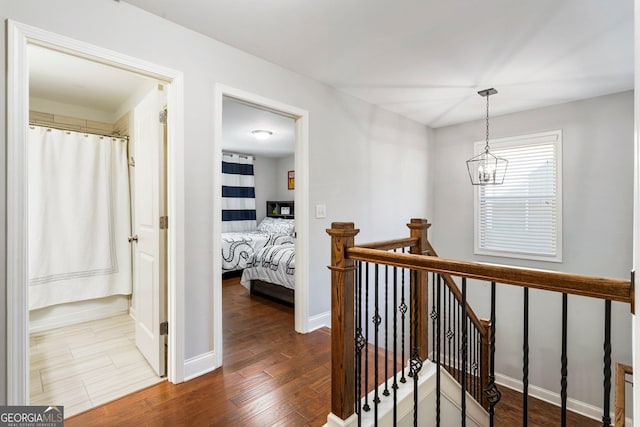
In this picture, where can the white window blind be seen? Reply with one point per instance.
(522, 217)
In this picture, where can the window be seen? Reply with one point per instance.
(522, 218)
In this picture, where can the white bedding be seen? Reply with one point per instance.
(238, 247)
(273, 264)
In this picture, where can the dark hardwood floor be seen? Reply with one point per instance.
(542, 414)
(271, 376)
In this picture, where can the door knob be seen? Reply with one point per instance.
(133, 238)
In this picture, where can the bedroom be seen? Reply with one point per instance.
(258, 194)
(340, 124)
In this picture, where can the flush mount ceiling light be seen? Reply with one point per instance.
(261, 134)
(487, 168)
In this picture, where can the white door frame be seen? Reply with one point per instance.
(301, 200)
(18, 37)
(635, 339)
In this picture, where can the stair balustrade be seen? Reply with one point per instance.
(387, 297)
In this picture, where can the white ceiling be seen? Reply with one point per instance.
(426, 59)
(59, 77)
(238, 120)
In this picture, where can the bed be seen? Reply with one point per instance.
(238, 247)
(271, 271)
(276, 228)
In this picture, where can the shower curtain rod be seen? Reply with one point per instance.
(70, 129)
(246, 156)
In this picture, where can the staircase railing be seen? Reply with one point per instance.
(389, 264)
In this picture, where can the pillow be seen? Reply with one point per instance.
(277, 226)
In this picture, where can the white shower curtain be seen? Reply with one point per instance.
(79, 217)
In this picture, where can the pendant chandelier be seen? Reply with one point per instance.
(487, 168)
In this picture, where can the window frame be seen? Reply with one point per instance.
(555, 137)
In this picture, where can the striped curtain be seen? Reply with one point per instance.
(238, 193)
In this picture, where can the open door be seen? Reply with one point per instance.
(149, 225)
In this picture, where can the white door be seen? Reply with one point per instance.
(149, 279)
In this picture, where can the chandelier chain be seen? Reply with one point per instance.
(486, 147)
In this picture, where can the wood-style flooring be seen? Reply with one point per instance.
(271, 376)
(84, 365)
(509, 413)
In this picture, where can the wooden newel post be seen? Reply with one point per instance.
(418, 229)
(485, 350)
(342, 320)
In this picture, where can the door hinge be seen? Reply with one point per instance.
(164, 328)
(163, 116)
(164, 222)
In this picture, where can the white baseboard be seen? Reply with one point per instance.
(61, 315)
(319, 321)
(553, 398)
(199, 365)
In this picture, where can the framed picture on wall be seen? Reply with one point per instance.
(291, 180)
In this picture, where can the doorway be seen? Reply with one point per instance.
(96, 261)
(301, 163)
(20, 38)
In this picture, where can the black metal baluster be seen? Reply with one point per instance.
(469, 365)
(358, 339)
(463, 402)
(461, 319)
(444, 324)
(395, 345)
(366, 406)
(563, 371)
(459, 348)
(492, 392)
(453, 363)
(525, 361)
(606, 417)
(472, 371)
(439, 286)
(376, 322)
(474, 364)
(480, 373)
(449, 334)
(403, 312)
(478, 363)
(386, 331)
(433, 316)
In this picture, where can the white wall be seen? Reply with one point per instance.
(598, 205)
(265, 170)
(285, 164)
(367, 164)
(60, 107)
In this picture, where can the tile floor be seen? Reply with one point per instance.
(85, 365)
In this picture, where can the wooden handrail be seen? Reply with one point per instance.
(389, 245)
(621, 372)
(589, 286)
